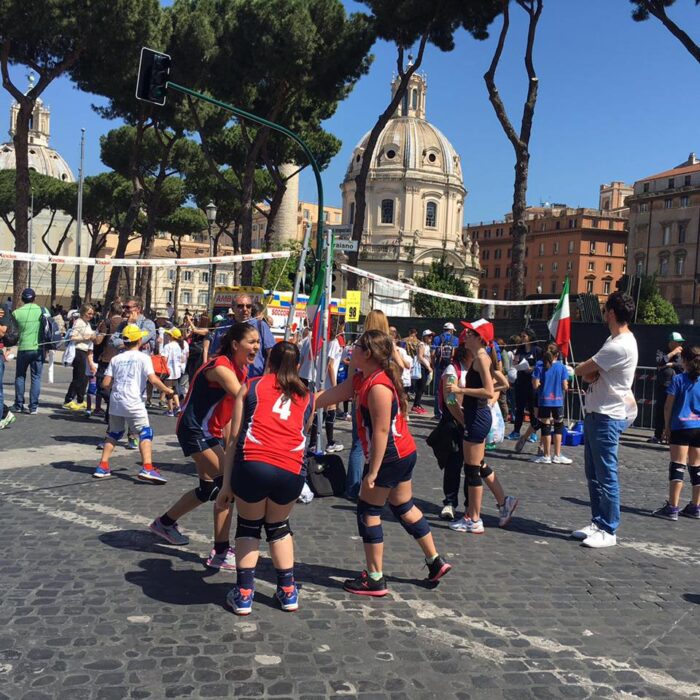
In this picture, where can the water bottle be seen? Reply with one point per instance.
(451, 397)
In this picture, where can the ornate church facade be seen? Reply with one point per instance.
(415, 197)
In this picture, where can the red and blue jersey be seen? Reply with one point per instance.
(208, 406)
(400, 443)
(273, 427)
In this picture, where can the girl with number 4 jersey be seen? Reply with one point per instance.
(267, 473)
(374, 384)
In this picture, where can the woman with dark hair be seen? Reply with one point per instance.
(267, 473)
(390, 456)
(81, 337)
(526, 357)
(682, 417)
(203, 431)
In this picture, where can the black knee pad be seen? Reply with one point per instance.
(559, 427)
(205, 490)
(249, 529)
(676, 471)
(472, 475)
(418, 529)
(546, 429)
(278, 531)
(485, 471)
(371, 534)
(694, 475)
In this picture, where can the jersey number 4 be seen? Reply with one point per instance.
(283, 407)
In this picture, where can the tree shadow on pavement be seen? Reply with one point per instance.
(692, 598)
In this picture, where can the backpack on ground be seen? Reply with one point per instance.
(326, 475)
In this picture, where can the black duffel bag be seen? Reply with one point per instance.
(325, 475)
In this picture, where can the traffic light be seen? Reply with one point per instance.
(151, 83)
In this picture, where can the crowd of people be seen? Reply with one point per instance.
(247, 408)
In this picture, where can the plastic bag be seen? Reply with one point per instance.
(498, 426)
(306, 495)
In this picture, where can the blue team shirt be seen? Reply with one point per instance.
(551, 392)
(686, 403)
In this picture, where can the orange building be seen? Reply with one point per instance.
(587, 245)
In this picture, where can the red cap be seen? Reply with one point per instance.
(482, 327)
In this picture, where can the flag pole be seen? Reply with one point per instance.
(577, 380)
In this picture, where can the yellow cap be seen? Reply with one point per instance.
(175, 332)
(132, 333)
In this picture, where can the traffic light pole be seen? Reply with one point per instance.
(281, 129)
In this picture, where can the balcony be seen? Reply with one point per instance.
(374, 251)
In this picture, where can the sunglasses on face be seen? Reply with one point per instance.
(244, 306)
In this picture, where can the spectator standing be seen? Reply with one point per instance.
(169, 311)
(668, 365)
(526, 357)
(425, 368)
(81, 338)
(7, 418)
(30, 356)
(444, 346)
(610, 373)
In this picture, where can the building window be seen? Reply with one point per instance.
(686, 181)
(608, 267)
(187, 276)
(186, 296)
(589, 286)
(497, 272)
(540, 267)
(541, 248)
(484, 271)
(204, 277)
(555, 267)
(495, 292)
(352, 212)
(608, 248)
(646, 187)
(606, 287)
(169, 296)
(555, 248)
(221, 278)
(671, 183)
(307, 214)
(663, 265)
(640, 267)
(595, 223)
(487, 254)
(680, 264)
(557, 225)
(171, 275)
(591, 265)
(668, 203)
(667, 234)
(685, 201)
(508, 272)
(414, 99)
(431, 215)
(569, 266)
(644, 206)
(571, 247)
(554, 287)
(387, 211)
(592, 247)
(203, 299)
(681, 233)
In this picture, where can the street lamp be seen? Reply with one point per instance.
(210, 210)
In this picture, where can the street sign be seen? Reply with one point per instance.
(342, 244)
(353, 302)
(341, 232)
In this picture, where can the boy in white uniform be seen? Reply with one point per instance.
(127, 376)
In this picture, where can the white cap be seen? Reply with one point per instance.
(427, 331)
(448, 326)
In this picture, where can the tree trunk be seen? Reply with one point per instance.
(247, 220)
(54, 272)
(22, 194)
(176, 291)
(147, 277)
(271, 230)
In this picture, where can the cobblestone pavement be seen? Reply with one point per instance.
(94, 607)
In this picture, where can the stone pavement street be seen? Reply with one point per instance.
(93, 606)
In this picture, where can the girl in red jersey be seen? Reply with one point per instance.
(202, 430)
(375, 386)
(267, 473)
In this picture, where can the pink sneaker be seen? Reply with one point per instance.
(222, 562)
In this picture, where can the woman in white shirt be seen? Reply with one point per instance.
(81, 337)
(425, 368)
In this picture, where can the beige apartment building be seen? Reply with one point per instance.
(665, 234)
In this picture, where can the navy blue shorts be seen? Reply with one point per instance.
(254, 481)
(689, 437)
(391, 474)
(477, 425)
(194, 441)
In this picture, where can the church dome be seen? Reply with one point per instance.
(42, 158)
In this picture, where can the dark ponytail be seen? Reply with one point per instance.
(691, 355)
(551, 354)
(283, 363)
(236, 332)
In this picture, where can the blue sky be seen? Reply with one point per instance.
(618, 100)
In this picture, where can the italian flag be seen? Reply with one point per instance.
(560, 323)
(314, 310)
